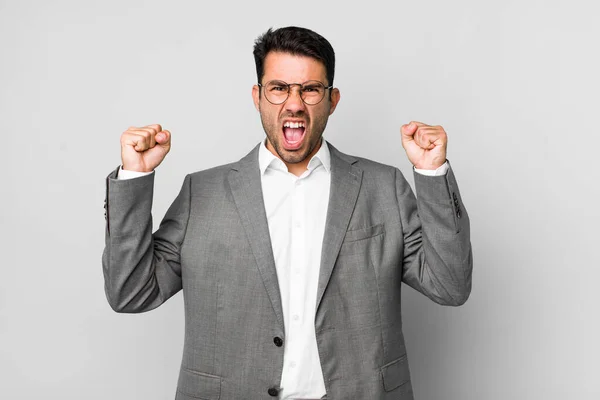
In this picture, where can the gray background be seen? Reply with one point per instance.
(515, 84)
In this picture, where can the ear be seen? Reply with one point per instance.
(335, 99)
(256, 96)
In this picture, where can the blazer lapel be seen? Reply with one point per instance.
(345, 185)
(246, 188)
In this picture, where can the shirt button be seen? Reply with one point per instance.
(273, 391)
(293, 364)
(278, 341)
(298, 224)
(297, 271)
(296, 317)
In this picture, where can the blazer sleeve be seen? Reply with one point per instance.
(438, 259)
(141, 270)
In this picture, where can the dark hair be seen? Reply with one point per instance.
(295, 41)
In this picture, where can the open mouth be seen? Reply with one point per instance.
(293, 134)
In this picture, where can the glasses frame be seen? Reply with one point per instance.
(289, 90)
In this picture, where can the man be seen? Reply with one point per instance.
(291, 260)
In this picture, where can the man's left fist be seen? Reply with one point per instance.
(425, 145)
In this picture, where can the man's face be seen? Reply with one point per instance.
(294, 145)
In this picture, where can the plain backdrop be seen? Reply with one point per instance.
(514, 83)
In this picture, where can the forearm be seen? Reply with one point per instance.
(437, 256)
(141, 270)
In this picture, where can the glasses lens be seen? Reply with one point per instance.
(276, 91)
(312, 92)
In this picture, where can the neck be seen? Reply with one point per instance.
(299, 167)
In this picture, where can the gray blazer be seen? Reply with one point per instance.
(214, 244)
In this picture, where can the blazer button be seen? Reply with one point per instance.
(273, 391)
(278, 341)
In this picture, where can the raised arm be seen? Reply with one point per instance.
(438, 259)
(142, 270)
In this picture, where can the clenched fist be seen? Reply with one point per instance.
(425, 145)
(143, 149)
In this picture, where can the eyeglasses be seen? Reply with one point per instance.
(311, 92)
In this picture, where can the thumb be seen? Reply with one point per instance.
(163, 138)
(408, 130)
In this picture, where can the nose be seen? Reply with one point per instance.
(294, 102)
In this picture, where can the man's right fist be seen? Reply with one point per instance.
(143, 149)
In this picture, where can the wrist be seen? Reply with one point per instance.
(441, 170)
(125, 174)
(134, 168)
(429, 166)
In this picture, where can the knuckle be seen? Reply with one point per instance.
(154, 128)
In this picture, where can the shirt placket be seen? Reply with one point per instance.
(297, 278)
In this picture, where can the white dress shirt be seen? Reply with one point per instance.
(296, 208)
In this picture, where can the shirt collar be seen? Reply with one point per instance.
(266, 159)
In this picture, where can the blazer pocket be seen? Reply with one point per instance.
(364, 233)
(199, 385)
(395, 374)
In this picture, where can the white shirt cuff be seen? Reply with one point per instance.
(125, 174)
(441, 170)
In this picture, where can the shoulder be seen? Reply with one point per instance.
(213, 174)
(220, 173)
(209, 183)
(368, 166)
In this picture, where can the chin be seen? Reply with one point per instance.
(293, 156)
